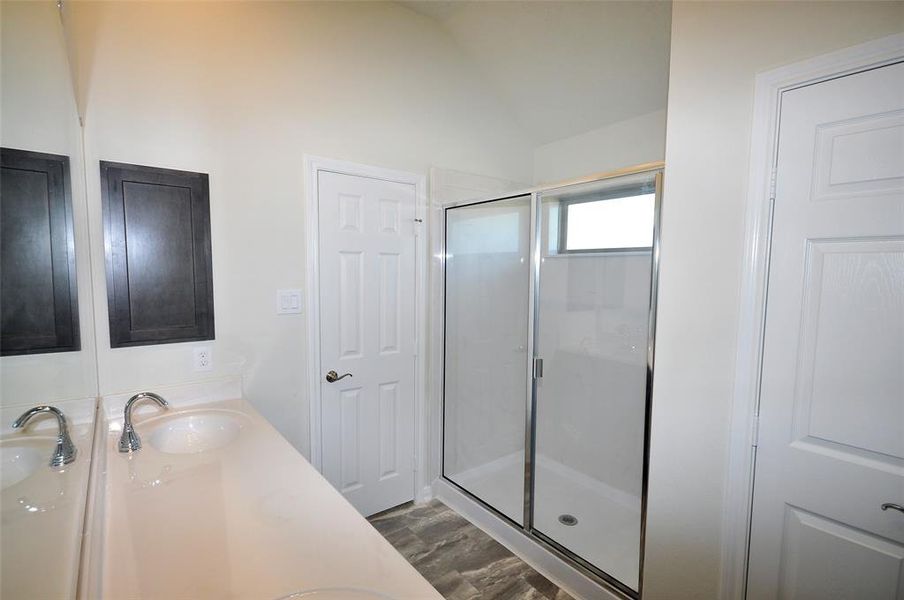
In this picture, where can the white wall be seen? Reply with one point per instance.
(37, 112)
(565, 68)
(241, 91)
(587, 80)
(623, 144)
(717, 48)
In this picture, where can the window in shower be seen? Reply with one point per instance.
(485, 379)
(620, 219)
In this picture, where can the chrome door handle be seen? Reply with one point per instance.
(333, 377)
(893, 506)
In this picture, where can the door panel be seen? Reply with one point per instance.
(351, 307)
(389, 302)
(827, 559)
(389, 417)
(831, 447)
(486, 356)
(350, 455)
(367, 289)
(593, 336)
(852, 341)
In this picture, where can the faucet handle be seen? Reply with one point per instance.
(65, 451)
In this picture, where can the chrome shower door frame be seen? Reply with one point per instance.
(527, 527)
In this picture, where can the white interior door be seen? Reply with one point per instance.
(367, 329)
(831, 439)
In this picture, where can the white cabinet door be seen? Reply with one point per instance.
(831, 444)
(367, 329)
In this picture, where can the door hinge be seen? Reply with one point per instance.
(755, 434)
(538, 368)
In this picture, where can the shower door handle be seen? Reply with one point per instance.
(538, 368)
(333, 376)
(893, 506)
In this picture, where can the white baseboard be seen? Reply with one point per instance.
(425, 494)
(542, 560)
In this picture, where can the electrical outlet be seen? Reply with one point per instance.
(203, 358)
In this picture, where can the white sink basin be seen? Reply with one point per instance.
(19, 459)
(336, 594)
(195, 432)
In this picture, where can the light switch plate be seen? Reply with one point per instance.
(288, 302)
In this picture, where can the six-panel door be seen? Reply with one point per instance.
(831, 449)
(367, 308)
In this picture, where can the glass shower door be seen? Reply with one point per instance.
(592, 335)
(487, 278)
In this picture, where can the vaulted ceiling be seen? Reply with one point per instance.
(563, 67)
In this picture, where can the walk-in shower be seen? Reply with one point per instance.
(548, 338)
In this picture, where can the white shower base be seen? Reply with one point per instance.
(607, 533)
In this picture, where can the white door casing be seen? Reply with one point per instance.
(366, 311)
(831, 416)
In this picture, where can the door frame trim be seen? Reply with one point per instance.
(313, 165)
(739, 477)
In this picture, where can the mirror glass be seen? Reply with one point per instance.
(39, 119)
(48, 341)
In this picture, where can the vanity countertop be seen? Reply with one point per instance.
(250, 519)
(42, 507)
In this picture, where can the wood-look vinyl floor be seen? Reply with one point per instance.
(458, 559)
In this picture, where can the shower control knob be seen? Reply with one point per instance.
(333, 377)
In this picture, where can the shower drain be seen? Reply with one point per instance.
(569, 520)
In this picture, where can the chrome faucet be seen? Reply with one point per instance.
(129, 441)
(65, 450)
